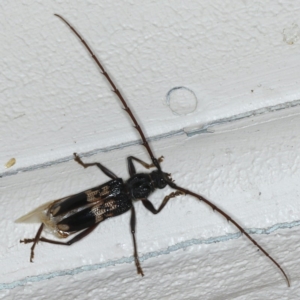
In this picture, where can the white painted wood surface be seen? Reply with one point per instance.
(236, 58)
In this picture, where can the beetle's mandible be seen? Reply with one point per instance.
(81, 213)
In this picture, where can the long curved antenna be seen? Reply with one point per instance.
(229, 219)
(117, 92)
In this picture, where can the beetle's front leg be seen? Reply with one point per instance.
(101, 167)
(131, 167)
(155, 211)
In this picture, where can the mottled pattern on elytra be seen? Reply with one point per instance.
(101, 209)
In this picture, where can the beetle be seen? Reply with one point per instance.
(81, 213)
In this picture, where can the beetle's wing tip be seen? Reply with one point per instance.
(34, 216)
(22, 219)
(29, 218)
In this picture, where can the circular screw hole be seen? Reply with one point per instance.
(181, 100)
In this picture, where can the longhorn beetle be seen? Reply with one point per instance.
(81, 213)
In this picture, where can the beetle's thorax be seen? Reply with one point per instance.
(140, 185)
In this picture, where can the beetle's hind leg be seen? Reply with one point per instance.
(35, 240)
(38, 238)
(101, 167)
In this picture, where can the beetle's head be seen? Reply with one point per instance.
(160, 179)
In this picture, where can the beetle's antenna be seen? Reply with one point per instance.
(229, 219)
(118, 93)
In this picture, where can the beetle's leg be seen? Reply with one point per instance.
(101, 167)
(75, 239)
(155, 211)
(131, 167)
(135, 253)
(35, 241)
